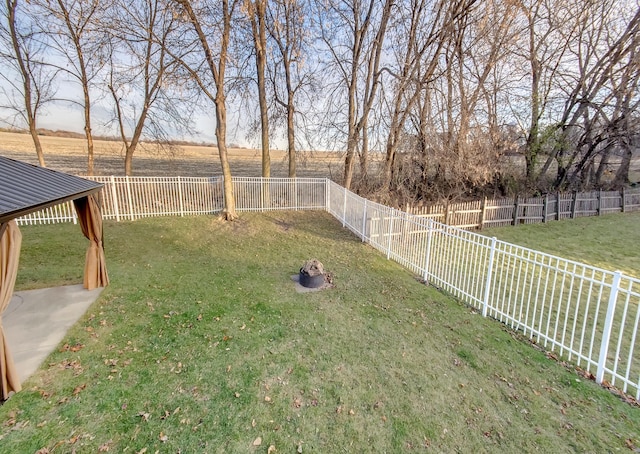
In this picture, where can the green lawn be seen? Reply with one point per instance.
(201, 344)
(609, 242)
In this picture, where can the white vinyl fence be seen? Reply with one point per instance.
(583, 314)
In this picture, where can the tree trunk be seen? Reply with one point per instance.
(352, 137)
(135, 140)
(364, 153)
(87, 124)
(229, 212)
(291, 139)
(622, 174)
(260, 44)
(12, 5)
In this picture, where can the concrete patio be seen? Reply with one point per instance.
(36, 321)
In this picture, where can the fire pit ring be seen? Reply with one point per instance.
(312, 274)
(309, 281)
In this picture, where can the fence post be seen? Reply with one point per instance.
(606, 332)
(344, 208)
(515, 210)
(574, 204)
(129, 200)
(545, 208)
(427, 259)
(327, 189)
(483, 213)
(558, 206)
(390, 232)
(599, 208)
(180, 195)
(623, 194)
(114, 197)
(487, 286)
(364, 221)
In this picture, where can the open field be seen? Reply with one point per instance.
(201, 344)
(69, 155)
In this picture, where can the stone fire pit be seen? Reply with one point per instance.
(313, 276)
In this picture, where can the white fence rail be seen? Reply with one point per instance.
(583, 314)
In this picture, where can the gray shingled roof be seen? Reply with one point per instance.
(25, 188)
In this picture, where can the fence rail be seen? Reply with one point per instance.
(501, 212)
(586, 315)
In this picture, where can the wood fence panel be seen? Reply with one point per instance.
(610, 202)
(587, 203)
(498, 213)
(531, 210)
(465, 214)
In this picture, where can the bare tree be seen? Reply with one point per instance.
(423, 31)
(288, 29)
(72, 29)
(548, 30)
(256, 10)
(22, 50)
(603, 92)
(356, 45)
(144, 81)
(212, 25)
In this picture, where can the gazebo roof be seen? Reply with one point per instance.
(25, 188)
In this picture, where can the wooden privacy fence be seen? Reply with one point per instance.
(501, 212)
(584, 314)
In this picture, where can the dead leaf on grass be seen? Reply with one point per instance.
(163, 437)
(44, 394)
(257, 441)
(78, 389)
(271, 449)
(71, 348)
(105, 446)
(145, 416)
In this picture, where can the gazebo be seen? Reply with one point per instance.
(25, 188)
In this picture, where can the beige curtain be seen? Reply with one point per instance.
(10, 240)
(95, 268)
